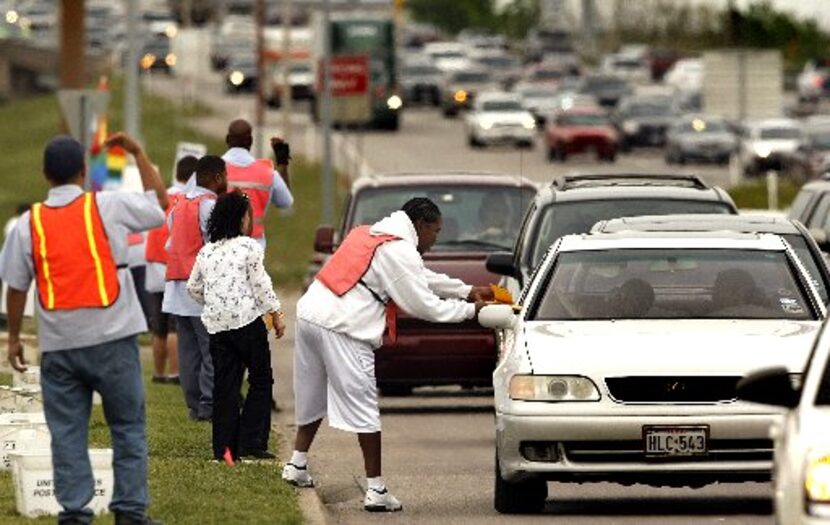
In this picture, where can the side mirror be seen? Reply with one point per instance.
(324, 239)
(498, 316)
(821, 238)
(501, 263)
(770, 386)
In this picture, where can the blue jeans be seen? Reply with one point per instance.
(68, 378)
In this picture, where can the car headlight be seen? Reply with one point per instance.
(170, 60)
(817, 483)
(147, 61)
(528, 122)
(631, 127)
(236, 78)
(394, 102)
(552, 388)
(763, 151)
(171, 31)
(486, 123)
(12, 17)
(460, 96)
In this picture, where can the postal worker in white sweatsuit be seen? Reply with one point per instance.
(341, 320)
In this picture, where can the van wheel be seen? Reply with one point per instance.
(524, 497)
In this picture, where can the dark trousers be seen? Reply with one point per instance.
(232, 352)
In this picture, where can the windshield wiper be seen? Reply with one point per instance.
(474, 242)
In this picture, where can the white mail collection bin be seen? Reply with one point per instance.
(22, 432)
(34, 485)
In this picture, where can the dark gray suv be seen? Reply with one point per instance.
(574, 203)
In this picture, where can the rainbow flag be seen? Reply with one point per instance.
(105, 165)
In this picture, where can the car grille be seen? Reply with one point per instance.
(632, 451)
(672, 389)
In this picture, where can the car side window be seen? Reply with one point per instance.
(818, 219)
(798, 209)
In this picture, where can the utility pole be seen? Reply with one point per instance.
(132, 98)
(72, 44)
(328, 175)
(259, 13)
(286, 95)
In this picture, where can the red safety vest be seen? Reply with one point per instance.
(185, 238)
(347, 266)
(73, 261)
(255, 181)
(154, 250)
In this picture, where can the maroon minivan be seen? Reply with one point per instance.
(481, 214)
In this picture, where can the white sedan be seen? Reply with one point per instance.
(802, 438)
(623, 359)
(499, 118)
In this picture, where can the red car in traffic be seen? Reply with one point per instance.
(581, 130)
(481, 214)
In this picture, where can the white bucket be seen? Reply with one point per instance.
(20, 399)
(22, 435)
(28, 379)
(34, 484)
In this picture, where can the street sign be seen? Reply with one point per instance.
(80, 107)
(349, 75)
(349, 88)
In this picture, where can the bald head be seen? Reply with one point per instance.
(240, 134)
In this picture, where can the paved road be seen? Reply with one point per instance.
(439, 443)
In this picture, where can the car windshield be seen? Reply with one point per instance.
(447, 54)
(420, 70)
(565, 218)
(300, 68)
(498, 62)
(538, 93)
(648, 110)
(475, 218)
(820, 140)
(602, 83)
(548, 74)
(667, 283)
(467, 76)
(805, 255)
(627, 64)
(780, 133)
(501, 105)
(583, 120)
(703, 126)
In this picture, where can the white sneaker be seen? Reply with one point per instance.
(381, 501)
(297, 476)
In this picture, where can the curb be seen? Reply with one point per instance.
(309, 500)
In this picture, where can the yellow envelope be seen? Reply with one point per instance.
(501, 295)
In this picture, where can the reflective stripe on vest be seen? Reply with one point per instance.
(255, 180)
(185, 238)
(155, 249)
(73, 261)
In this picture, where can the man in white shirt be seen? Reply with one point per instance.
(341, 321)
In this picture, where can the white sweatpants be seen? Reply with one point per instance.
(334, 376)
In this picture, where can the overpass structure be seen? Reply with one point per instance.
(24, 65)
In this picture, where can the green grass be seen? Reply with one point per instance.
(32, 121)
(753, 195)
(185, 486)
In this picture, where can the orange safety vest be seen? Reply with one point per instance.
(255, 181)
(73, 261)
(185, 238)
(346, 267)
(154, 249)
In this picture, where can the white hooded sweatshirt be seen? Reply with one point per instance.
(397, 272)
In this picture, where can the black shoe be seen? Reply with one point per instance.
(159, 379)
(173, 380)
(126, 519)
(256, 455)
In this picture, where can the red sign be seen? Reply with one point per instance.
(349, 75)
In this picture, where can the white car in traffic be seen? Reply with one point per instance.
(621, 361)
(766, 144)
(802, 439)
(499, 118)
